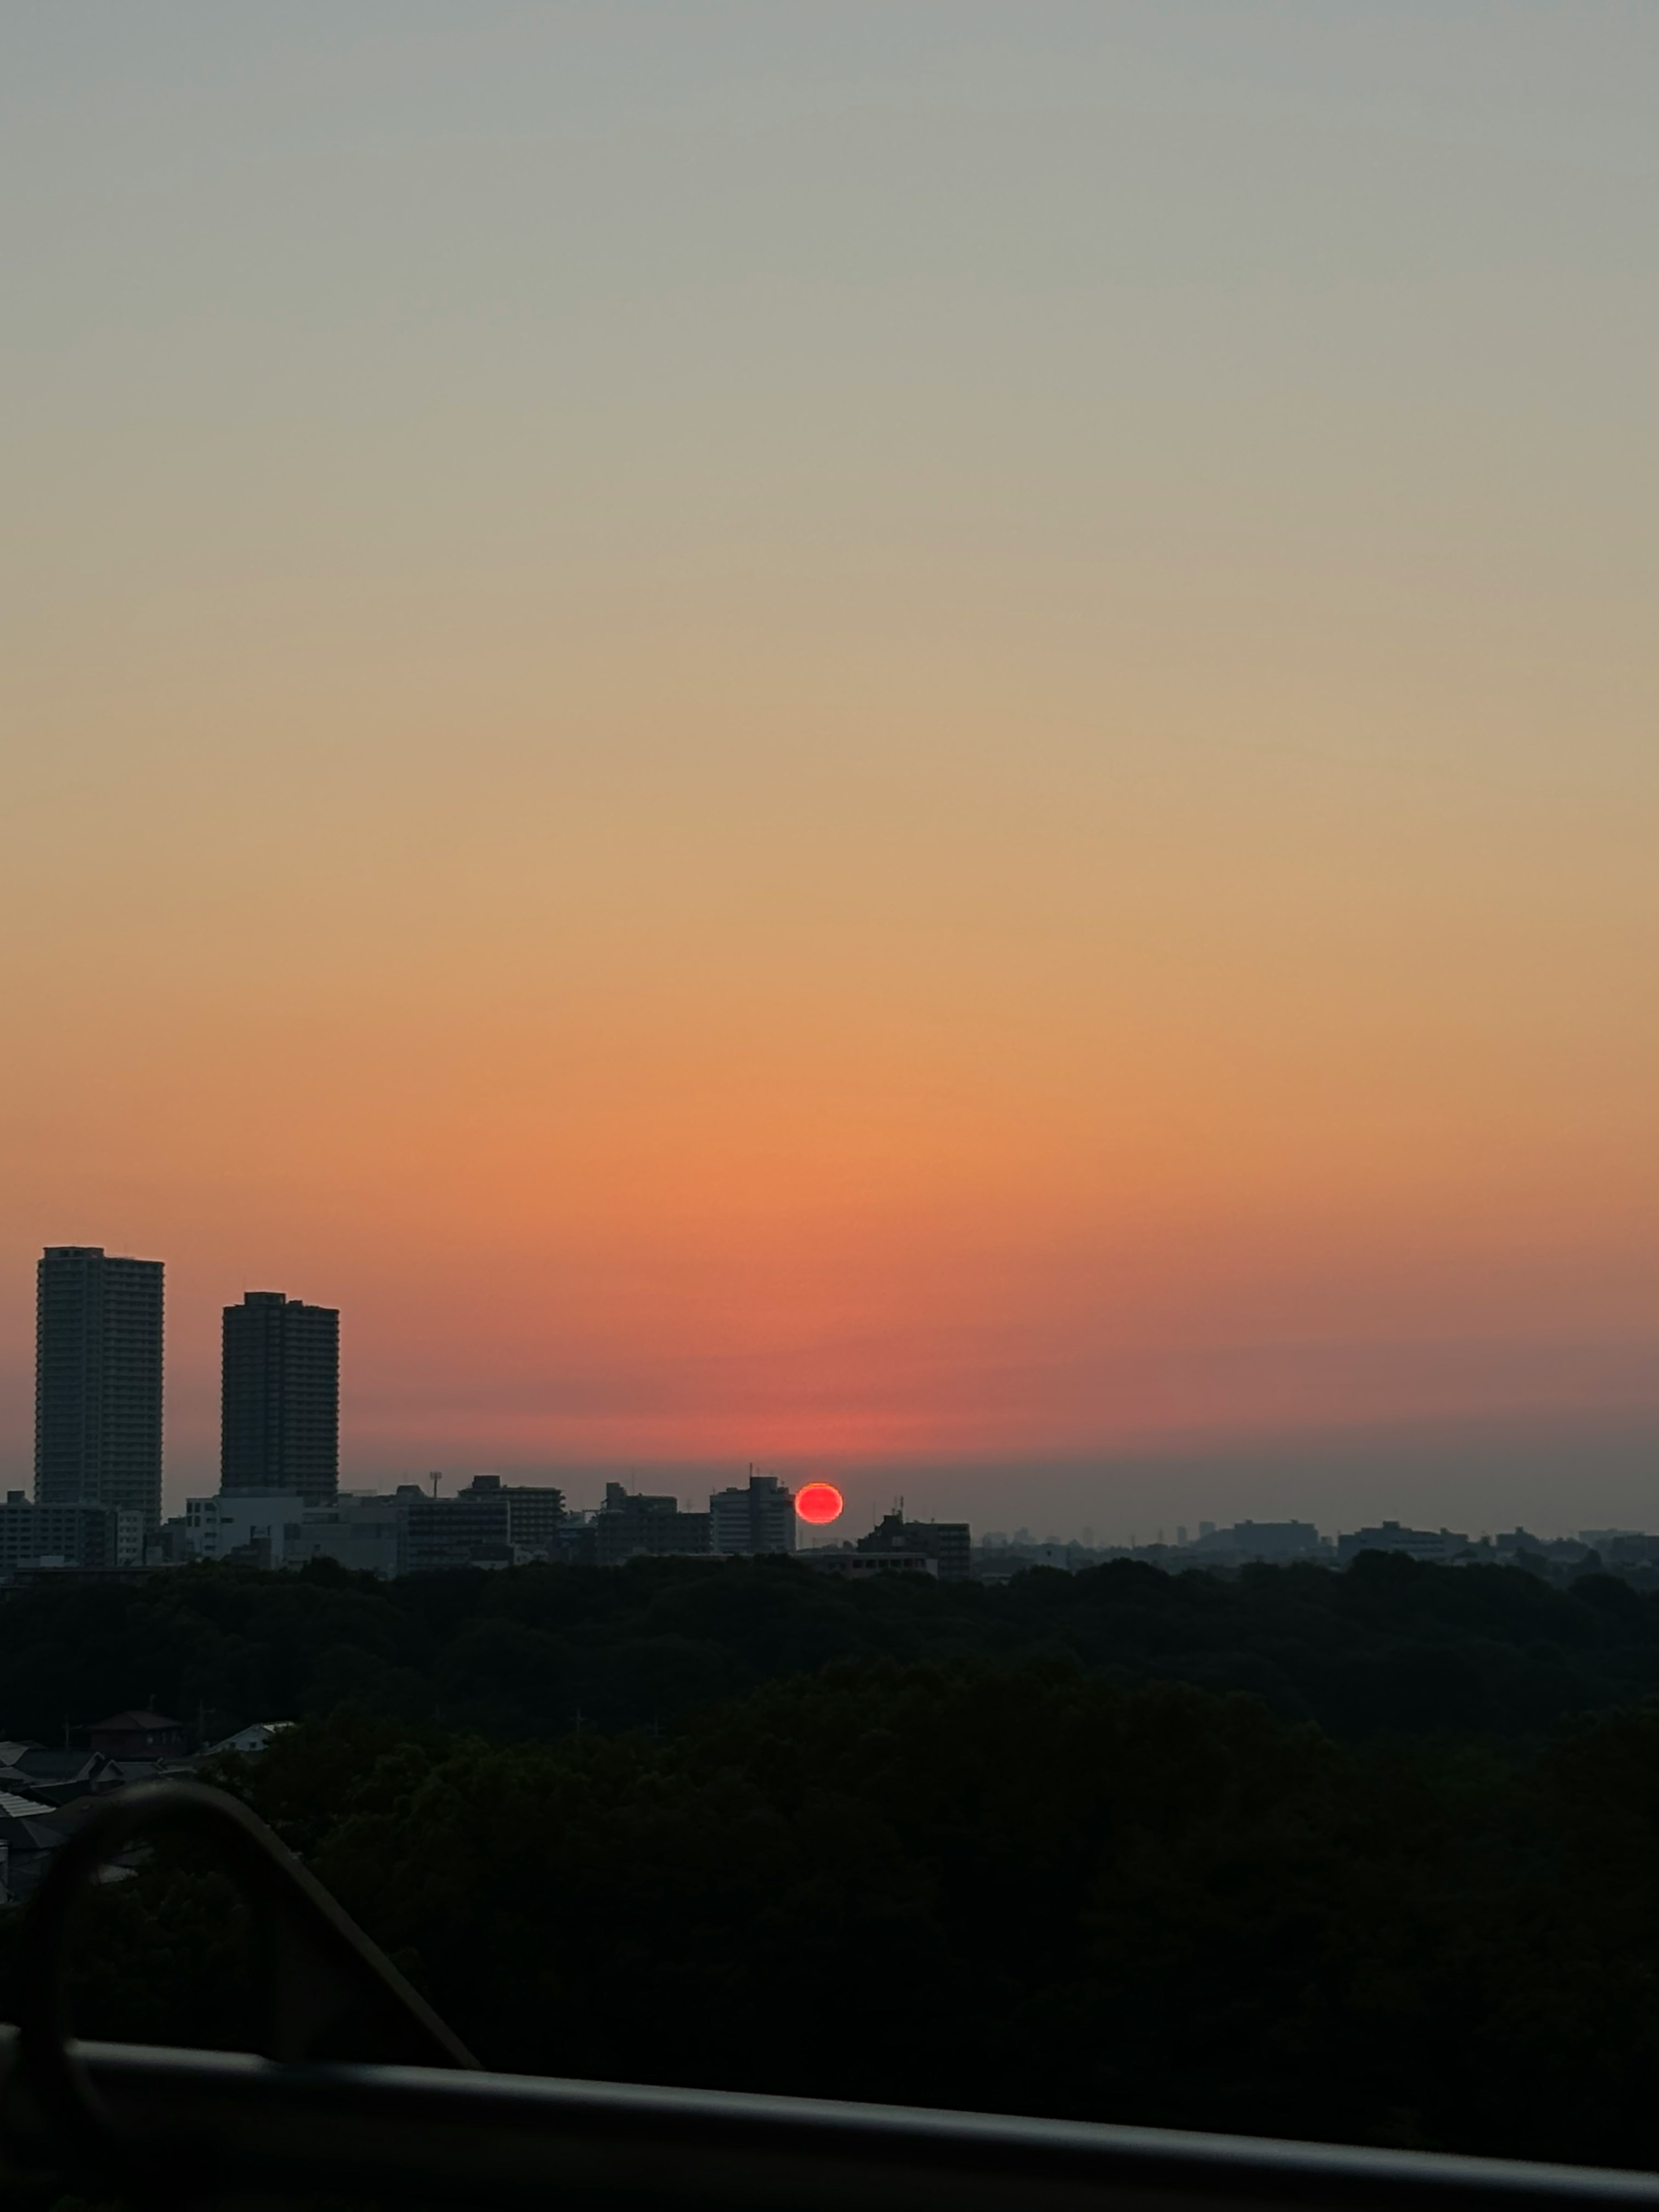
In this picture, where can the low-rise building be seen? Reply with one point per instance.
(489, 1523)
(1249, 1542)
(136, 1736)
(948, 1544)
(632, 1525)
(856, 1565)
(1439, 1546)
(450, 1532)
(81, 1532)
(366, 1533)
(253, 1525)
(535, 1513)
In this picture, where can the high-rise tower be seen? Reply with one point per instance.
(280, 1426)
(97, 1381)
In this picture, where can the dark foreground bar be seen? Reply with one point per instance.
(464, 2136)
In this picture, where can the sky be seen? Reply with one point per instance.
(912, 742)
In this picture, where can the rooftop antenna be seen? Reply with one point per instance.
(434, 1479)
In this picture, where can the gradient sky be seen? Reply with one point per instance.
(917, 741)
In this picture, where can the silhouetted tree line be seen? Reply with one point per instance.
(1025, 1848)
(1025, 1888)
(1391, 1646)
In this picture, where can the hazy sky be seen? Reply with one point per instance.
(867, 735)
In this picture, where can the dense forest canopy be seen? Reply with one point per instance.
(1366, 1856)
(1020, 1888)
(1391, 1645)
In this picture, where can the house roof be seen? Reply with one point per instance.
(29, 1833)
(130, 1723)
(44, 1765)
(264, 1731)
(19, 1809)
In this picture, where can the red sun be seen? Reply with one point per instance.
(818, 1502)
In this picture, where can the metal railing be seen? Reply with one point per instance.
(424, 2120)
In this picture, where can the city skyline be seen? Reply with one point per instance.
(1491, 1482)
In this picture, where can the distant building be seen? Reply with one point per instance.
(366, 1533)
(137, 1735)
(280, 1405)
(489, 1523)
(451, 1532)
(97, 1381)
(1000, 1560)
(948, 1543)
(1621, 1548)
(863, 1567)
(535, 1512)
(169, 1546)
(632, 1525)
(754, 1521)
(1437, 1546)
(1248, 1542)
(253, 1525)
(80, 1535)
(577, 1542)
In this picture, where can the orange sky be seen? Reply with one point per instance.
(865, 749)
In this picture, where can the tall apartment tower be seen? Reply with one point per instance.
(280, 1411)
(97, 1381)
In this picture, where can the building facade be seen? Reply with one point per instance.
(948, 1543)
(369, 1534)
(279, 1405)
(78, 1536)
(1275, 1542)
(535, 1512)
(256, 1526)
(754, 1521)
(489, 1522)
(1439, 1545)
(631, 1525)
(98, 1335)
(856, 1566)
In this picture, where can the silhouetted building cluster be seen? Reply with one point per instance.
(489, 1523)
(98, 1467)
(943, 1549)
(97, 1385)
